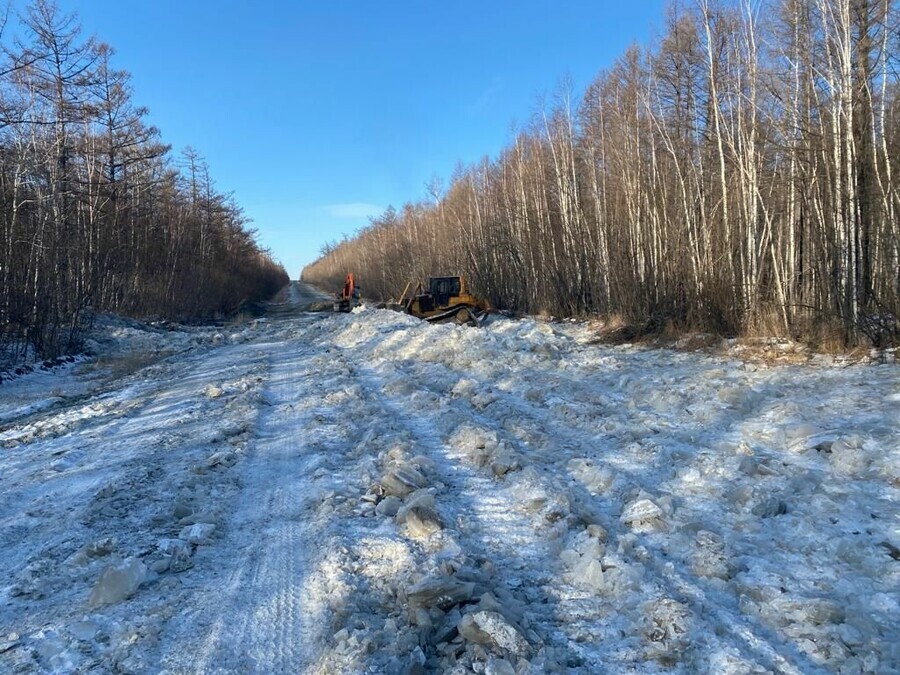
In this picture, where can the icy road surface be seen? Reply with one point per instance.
(324, 493)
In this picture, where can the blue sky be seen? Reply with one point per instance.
(318, 114)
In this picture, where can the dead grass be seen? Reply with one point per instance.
(657, 331)
(767, 351)
(113, 368)
(764, 343)
(240, 319)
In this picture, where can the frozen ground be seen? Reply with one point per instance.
(369, 493)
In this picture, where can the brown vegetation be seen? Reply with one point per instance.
(93, 213)
(738, 176)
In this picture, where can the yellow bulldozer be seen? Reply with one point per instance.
(443, 299)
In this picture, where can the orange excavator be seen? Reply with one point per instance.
(348, 298)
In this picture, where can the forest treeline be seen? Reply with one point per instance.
(737, 175)
(95, 214)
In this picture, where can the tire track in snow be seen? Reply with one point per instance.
(262, 620)
(111, 478)
(296, 539)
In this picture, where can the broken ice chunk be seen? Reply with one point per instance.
(498, 667)
(770, 507)
(8, 642)
(177, 556)
(54, 652)
(583, 561)
(480, 445)
(440, 591)
(92, 551)
(754, 466)
(118, 582)
(419, 514)
(667, 624)
(212, 391)
(642, 514)
(595, 479)
(388, 507)
(589, 573)
(491, 629)
(181, 510)
(446, 630)
(402, 481)
(418, 499)
(597, 532)
(803, 437)
(84, 630)
(421, 521)
(847, 456)
(223, 458)
(504, 462)
(199, 533)
(570, 557)
(709, 560)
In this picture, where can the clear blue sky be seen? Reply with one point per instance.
(320, 113)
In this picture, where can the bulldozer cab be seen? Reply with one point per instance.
(444, 288)
(442, 299)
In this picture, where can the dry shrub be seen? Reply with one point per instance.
(240, 319)
(700, 342)
(616, 329)
(767, 322)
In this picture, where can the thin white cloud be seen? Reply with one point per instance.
(488, 97)
(353, 210)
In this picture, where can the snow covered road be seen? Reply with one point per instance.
(370, 493)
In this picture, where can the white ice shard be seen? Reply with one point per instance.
(490, 628)
(641, 511)
(118, 582)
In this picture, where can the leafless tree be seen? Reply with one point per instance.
(738, 175)
(94, 214)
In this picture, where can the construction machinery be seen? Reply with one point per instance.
(443, 299)
(348, 298)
